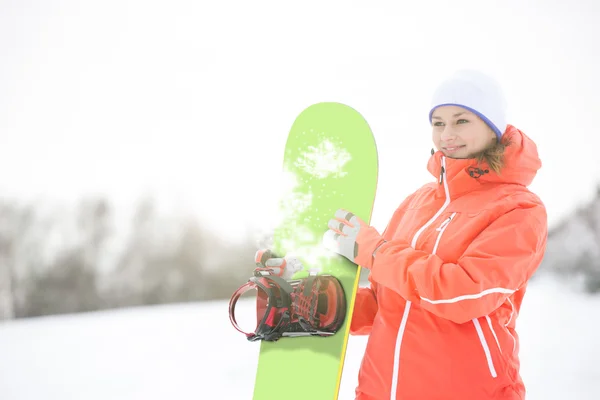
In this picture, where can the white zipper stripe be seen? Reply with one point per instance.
(397, 350)
(402, 327)
(469, 296)
(489, 321)
(486, 349)
(441, 230)
(440, 211)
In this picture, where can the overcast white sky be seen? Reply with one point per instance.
(192, 100)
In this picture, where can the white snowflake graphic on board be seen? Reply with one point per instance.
(324, 160)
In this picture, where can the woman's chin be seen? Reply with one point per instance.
(456, 154)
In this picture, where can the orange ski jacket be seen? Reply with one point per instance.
(447, 285)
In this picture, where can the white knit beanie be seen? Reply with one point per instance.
(479, 93)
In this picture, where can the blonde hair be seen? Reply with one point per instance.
(494, 155)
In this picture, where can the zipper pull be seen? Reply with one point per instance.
(443, 224)
(442, 170)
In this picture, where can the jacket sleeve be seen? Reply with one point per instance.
(365, 309)
(365, 303)
(496, 264)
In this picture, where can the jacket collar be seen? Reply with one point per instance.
(521, 163)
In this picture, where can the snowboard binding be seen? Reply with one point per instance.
(311, 306)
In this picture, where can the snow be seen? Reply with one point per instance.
(324, 160)
(191, 351)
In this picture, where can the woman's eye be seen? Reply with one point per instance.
(462, 121)
(437, 123)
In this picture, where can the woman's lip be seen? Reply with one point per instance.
(453, 148)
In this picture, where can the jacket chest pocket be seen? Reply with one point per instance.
(448, 235)
(439, 231)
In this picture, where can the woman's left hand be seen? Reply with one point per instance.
(352, 238)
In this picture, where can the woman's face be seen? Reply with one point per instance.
(459, 133)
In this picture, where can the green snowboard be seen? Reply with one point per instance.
(330, 162)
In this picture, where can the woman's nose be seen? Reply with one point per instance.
(448, 134)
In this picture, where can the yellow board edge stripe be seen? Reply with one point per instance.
(347, 332)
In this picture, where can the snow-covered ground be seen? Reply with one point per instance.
(191, 351)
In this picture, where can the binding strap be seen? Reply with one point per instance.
(273, 307)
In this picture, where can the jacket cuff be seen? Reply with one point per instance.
(368, 241)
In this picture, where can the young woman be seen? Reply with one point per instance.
(448, 274)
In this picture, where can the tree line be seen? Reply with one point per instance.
(57, 260)
(54, 262)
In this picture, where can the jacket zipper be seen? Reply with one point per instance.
(413, 244)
